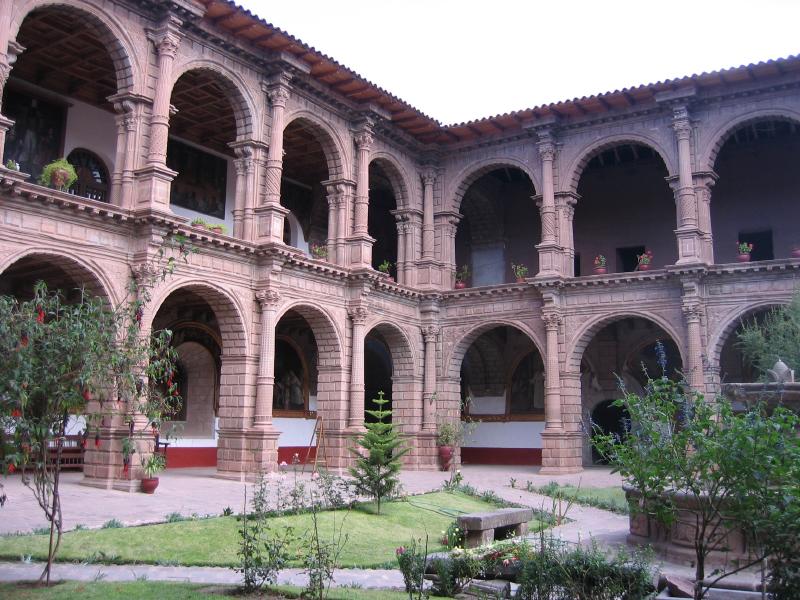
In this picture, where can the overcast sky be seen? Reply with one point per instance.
(458, 60)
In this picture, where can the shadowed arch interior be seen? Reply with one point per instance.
(383, 199)
(58, 272)
(755, 199)
(500, 226)
(625, 208)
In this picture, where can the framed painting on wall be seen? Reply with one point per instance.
(201, 183)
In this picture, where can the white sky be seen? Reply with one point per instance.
(458, 60)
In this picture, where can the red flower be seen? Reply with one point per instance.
(87, 395)
(96, 440)
(16, 413)
(39, 315)
(23, 341)
(11, 468)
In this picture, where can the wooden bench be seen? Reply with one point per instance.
(484, 527)
(71, 452)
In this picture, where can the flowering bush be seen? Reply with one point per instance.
(319, 250)
(744, 247)
(453, 536)
(520, 271)
(411, 560)
(646, 258)
(600, 260)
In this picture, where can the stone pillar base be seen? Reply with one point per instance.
(550, 260)
(430, 275)
(360, 253)
(336, 456)
(425, 451)
(153, 184)
(103, 464)
(243, 454)
(562, 452)
(690, 246)
(269, 223)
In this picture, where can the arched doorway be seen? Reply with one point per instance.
(618, 358)
(733, 367)
(500, 226)
(610, 419)
(57, 92)
(305, 169)
(626, 208)
(502, 394)
(378, 370)
(754, 200)
(200, 134)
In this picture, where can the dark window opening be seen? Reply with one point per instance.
(92, 174)
(627, 258)
(762, 244)
(576, 262)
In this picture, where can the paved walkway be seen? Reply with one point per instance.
(188, 491)
(197, 491)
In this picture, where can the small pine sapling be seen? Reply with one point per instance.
(378, 457)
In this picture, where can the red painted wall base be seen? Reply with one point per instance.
(191, 457)
(501, 456)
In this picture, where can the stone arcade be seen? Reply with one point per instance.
(179, 109)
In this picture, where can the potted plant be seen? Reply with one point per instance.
(152, 466)
(319, 251)
(600, 265)
(58, 174)
(796, 251)
(448, 435)
(218, 228)
(645, 260)
(12, 165)
(520, 271)
(462, 276)
(199, 223)
(744, 250)
(384, 267)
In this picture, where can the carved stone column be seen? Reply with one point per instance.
(358, 315)
(552, 397)
(247, 166)
(153, 186)
(339, 193)
(688, 233)
(428, 181)
(167, 40)
(401, 249)
(565, 207)
(240, 165)
(549, 253)
(430, 334)
(7, 59)
(129, 119)
(704, 181)
(268, 213)
(268, 301)
(692, 312)
(449, 230)
(410, 252)
(361, 243)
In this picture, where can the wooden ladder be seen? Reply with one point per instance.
(317, 442)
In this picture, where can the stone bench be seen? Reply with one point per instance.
(484, 527)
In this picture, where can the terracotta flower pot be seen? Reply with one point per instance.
(600, 270)
(460, 285)
(149, 484)
(520, 280)
(743, 257)
(796, 252)
(446, 457)
(198, 226)
(643, 267)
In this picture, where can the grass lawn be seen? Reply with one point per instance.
(171, 591)
(608, 498)
(372, 539)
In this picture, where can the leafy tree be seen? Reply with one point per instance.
(378, 464)
(777, 337)
(738, 470)
(83, 357)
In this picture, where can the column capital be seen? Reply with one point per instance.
(358, 314)
(552, 320)
(167, 37)
(680, 121)
(430, 333)
(364, 138)
(428, 175)
(547, 150)
(278, 95)
(692, 310)
(268, 299)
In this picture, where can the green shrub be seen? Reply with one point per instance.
(112, 524)
(412, 565)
